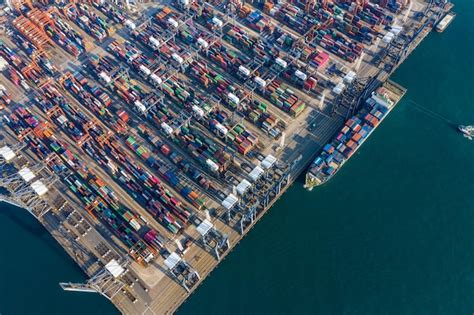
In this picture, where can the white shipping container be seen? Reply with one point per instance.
(156, 79)
(135, 225)
(167, 128)
(173, 22)
(105, 77)
(222, 129)
(233, 98)
(62, 119)
(154, 42)
(139, 105)
(130, 25)
(217, 22)
(212, 165)
(132, 57)
(244, 71)
(25, 85)
(84, 19)
(301, 75)
(282, 63)
(3, 64)
(112, 167)
(202, 43)
(145, 70)
(261, 82)
(177, 58)
(198, 111)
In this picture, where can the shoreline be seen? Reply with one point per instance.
(384, 77)
(175, 290)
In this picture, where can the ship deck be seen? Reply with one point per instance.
(151, 290)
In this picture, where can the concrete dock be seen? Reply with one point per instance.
(159, 283)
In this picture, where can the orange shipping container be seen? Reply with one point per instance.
(193, 195)
(351, 144)
(374, 121)
(267, 7)
(356, 137)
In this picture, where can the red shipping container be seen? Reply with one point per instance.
(165, 149)
(123, 116)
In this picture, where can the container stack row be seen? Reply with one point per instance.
(187, 95)
(182, 165)
(100, 199)
(146, 179)
(17, 69)
(85, 17)
(32, 32)
(5, 98)
(110, 11)
(283, 97)
(203, 149)
(51, 23)
(172, 177)
(270, 60)
(214, 163)
(92, 96)
(104, 148)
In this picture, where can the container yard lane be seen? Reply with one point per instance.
(149, 142)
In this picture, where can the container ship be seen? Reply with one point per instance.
(154, 136)
(353, 134)
(444, 23)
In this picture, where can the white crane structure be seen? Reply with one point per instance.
(24, 186)
(181, 271)
(106, 281)
(212, 238)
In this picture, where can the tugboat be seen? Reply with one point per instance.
(467, 131)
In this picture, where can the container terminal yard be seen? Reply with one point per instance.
(149, 138)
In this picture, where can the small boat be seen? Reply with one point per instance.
(467, 131)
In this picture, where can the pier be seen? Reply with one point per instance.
(148, 143)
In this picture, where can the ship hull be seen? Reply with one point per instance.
(313, 180)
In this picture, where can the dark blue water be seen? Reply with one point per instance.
(392, 233)
(32, 264)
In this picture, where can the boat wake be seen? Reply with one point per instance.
(467, 131)
(431, 113)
